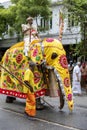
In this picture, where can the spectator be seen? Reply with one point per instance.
(83, 75)
(76, 79)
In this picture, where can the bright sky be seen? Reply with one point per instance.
(1, 1)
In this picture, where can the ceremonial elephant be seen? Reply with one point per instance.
(51, 70)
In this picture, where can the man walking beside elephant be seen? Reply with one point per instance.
(30, 108)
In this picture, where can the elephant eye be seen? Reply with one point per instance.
(54, 55)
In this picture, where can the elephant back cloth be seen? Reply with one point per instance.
(16, 62)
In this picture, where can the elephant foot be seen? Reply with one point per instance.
(39, 105)
(10, 99)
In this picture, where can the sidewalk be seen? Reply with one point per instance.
(81, 101)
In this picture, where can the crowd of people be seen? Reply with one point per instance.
(78, 74)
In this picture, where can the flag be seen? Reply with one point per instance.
(61, 25)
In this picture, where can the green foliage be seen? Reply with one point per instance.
(7, 17)
(1, 6)
(14, 1)
(79, 49)
(11, 31)
(32, 8)
(3, 24)
(16, 14)
(78, 8)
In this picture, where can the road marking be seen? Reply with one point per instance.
(39, 119)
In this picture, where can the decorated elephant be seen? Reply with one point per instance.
(52, 71)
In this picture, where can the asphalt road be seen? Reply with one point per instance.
(12, 116)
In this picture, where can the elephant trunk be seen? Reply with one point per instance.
(64, 79)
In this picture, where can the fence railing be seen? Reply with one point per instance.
(6, 43)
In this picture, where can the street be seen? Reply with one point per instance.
(12, 116)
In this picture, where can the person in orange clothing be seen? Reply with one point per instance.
(30, 108)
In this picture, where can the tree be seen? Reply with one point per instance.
(32, 8)
(78, 8)
(2, 22)
(16, 14)
(6, 18)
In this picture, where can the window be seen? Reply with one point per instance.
(46, 24)
(72, 20)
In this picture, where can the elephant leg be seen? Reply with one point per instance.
(39, 105)
(10, 99)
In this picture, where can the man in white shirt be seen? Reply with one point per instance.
(76, 83)
(30, 33)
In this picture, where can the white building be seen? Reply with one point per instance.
(71, 33)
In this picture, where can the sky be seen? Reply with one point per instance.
(1, 1)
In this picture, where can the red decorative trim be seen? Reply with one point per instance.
(40, 93)
(21, 95)
(12, 93)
